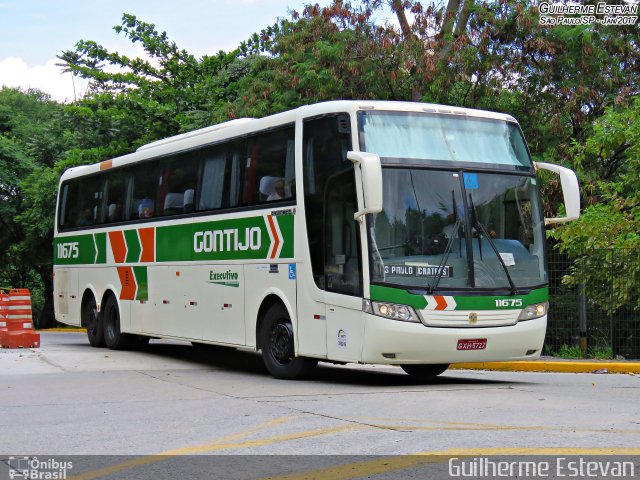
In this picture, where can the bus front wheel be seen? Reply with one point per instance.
(92, 321)
(425, 372)
(278, 348)
(113, 337)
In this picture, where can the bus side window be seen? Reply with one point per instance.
(179, 177)
(330, 203)
(269, 173)
(213, 181)
(69, 205)
(143, 190)
(90, 204)
(114, 196)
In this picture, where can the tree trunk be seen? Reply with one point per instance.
(450, 17)
(398, 8)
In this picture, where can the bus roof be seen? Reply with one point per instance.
(245, 126)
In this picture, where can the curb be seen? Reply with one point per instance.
(554, 367)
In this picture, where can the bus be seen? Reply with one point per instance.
(367, 232)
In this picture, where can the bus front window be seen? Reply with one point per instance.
(420, 240)
(413, 230)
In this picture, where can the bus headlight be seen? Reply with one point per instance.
(393, 311)
(536, 310)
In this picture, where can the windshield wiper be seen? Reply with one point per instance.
(447, 250)
(480, 227)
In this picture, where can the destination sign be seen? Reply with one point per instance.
(418, 270)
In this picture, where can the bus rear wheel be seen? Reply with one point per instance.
(278, 348)
(425, 372)
(92, 320)
(113, 337)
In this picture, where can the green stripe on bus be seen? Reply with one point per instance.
(491, 302)
(398, 295)
(74, 250)
(143, 283)
(133, 246)
(101, 245)
(285, 223)
(231, 239)
(466, 302)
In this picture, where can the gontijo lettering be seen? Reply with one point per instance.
(227, 240)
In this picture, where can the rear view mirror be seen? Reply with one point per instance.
(371, 171)
(570, 192)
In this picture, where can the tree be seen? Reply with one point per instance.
(158, 94)
(29, 141)
(609, 229)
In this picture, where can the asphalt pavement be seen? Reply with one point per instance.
(544, 364)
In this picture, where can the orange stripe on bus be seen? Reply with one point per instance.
(147, 239)
(118, 246)
(441, 302)
(107, 164)
(275, 236)
(128, 282)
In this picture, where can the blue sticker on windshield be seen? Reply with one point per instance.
(471, 181)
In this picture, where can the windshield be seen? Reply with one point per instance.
(407, 137)
(442, 229)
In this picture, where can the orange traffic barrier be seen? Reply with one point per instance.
(16, 322)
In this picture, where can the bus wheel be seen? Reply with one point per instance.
(92, 321)
(425, 372)
(276, 341)
(113, 338)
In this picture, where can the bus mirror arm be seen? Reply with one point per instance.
(371, 174)
(570, 192)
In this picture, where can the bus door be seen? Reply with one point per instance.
(333, 239)
(343, 271)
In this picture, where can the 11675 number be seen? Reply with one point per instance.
(509, 302)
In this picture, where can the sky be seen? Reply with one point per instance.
(33, 32)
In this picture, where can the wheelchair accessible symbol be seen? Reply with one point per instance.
(292, 271)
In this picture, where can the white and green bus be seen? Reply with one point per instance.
(370, 232)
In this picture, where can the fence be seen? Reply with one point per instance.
(595, 302)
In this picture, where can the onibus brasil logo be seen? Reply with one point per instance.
(34, 469)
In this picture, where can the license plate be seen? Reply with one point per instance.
(472, 344)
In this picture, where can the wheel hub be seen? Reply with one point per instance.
(281, 343)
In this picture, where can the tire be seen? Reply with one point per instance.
(113, 337)
(425, 372)
(278, 348)
(92, 320)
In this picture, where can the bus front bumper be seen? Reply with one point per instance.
(397, 343)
